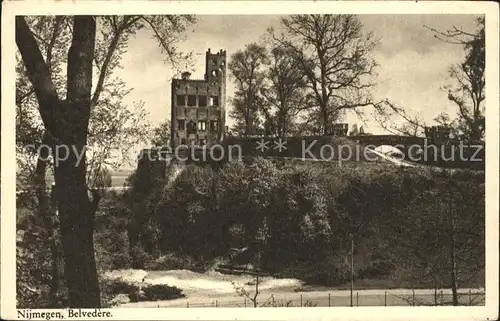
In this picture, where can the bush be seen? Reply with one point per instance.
(112, 288)
(122, 287)
(134, 296)
(303, 216)
(118, 286)
(160, 292)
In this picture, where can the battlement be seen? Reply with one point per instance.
(221, 53)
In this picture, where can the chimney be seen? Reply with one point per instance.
(186, 75)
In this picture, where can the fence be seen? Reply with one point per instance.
(334, 299)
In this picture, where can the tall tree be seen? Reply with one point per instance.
(468, 92)
(66, 124)
(284, 90)
(335, 56)
(111, 126)
(247, 68)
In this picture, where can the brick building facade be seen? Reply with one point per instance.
(198, 108)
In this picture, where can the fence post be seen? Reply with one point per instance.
(301, 300)
(187, 304)
(413, 295)
(245, 302)
(470, 297)
(329, 300)
(385, 298)
(442, 297)
(216, 303)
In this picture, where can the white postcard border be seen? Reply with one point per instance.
(8, 170)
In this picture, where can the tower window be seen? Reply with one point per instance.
(191, 127)
(192, 100)
(213, 125)
(181, 100)
(215, 101)
(181, 124)
(202, 125)
(202, 101)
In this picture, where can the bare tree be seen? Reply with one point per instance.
(468, 92)
(335, 56)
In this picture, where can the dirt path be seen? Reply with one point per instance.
(213, 289)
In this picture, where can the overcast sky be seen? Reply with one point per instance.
(413, 64)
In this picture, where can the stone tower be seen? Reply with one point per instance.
(198, 107)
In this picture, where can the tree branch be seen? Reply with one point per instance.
(104, 69)
(38, 72)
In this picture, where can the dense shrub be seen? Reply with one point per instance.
(110, 289)
(121, 287)
(300, 219)
(156, 292)
(161, 292)
(134, 296)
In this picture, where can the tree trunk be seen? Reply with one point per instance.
(77, 225)
(452, 247)
(453, 265)
(45, 211)
(352, 270)
(326, 120)
(67, 125)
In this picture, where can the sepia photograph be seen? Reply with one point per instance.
(311, 159)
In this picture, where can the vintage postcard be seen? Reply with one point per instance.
(250, 160)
